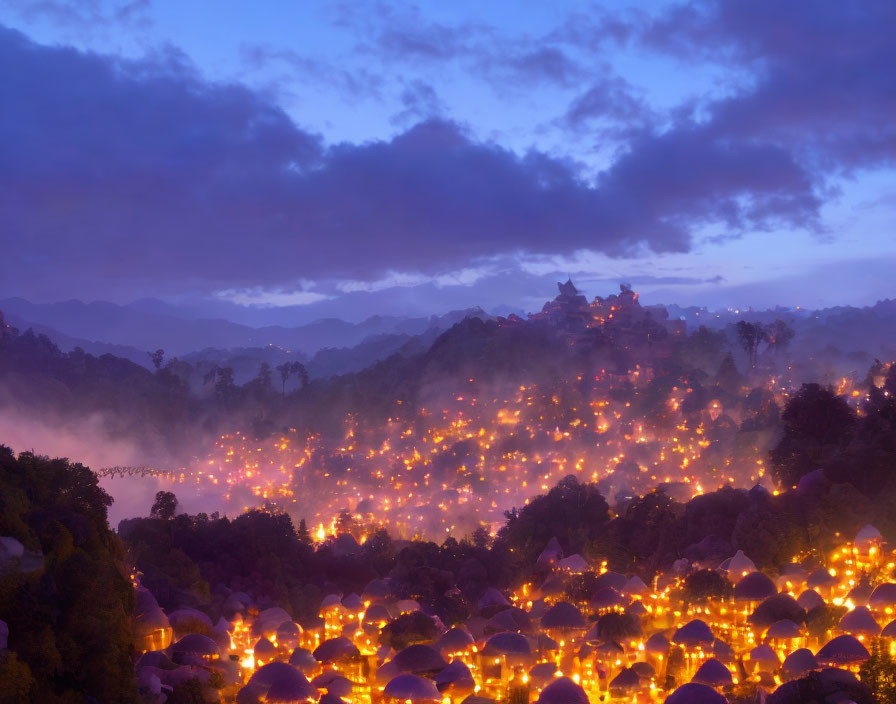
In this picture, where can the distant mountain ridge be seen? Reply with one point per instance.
(331, 346)
(145, 326)
(68, 342)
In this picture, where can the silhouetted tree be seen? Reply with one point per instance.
(728, 378)
(187, 692)
(264, 375)
(779, 335)
(284, 376)
(645, 535)
(380, 551)
(823, 618)
(703, 348)
(346, 523)
(164, 506)
(157, 358)
(481, 537)
(618, 627)
(299, 370)
(816, 424)
(706, 584)
(303, 533)
(261, 389)
(750, 335)
(878, 673)
(571, 511)
(225, 388)
(287, 369)
(407, 629)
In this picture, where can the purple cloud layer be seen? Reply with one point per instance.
(141, 176)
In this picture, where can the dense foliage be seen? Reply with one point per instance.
(822, 432)
(193, 560)
(572, 512)
(179, 401)
(186, 560)
(817, 425)
(878, 673)
(68, 614)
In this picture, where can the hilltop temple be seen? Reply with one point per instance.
(569, 309)
(644, 331)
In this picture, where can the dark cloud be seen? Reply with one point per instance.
(598, 28)
(817, 106)
(420, 101)
(433, 41)
(609, 98)
(139, 177)
(689, 176)
(515, 67)
(291, 67)
(83, 15)
(401, 34)
(822, 83)
(547, 63)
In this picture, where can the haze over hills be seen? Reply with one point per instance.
(366, 363)
(335, 346)
(849, 337)
(69, 342)
(152, 325)
(581, 375)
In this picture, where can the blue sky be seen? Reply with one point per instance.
(419, 156)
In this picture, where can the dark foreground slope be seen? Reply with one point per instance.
(67, 598)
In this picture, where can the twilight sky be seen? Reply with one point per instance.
(415, 157)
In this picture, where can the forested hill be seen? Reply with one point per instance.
(180, 399)
(67, 602)
(180, 404)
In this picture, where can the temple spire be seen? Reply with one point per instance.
(568, 288)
